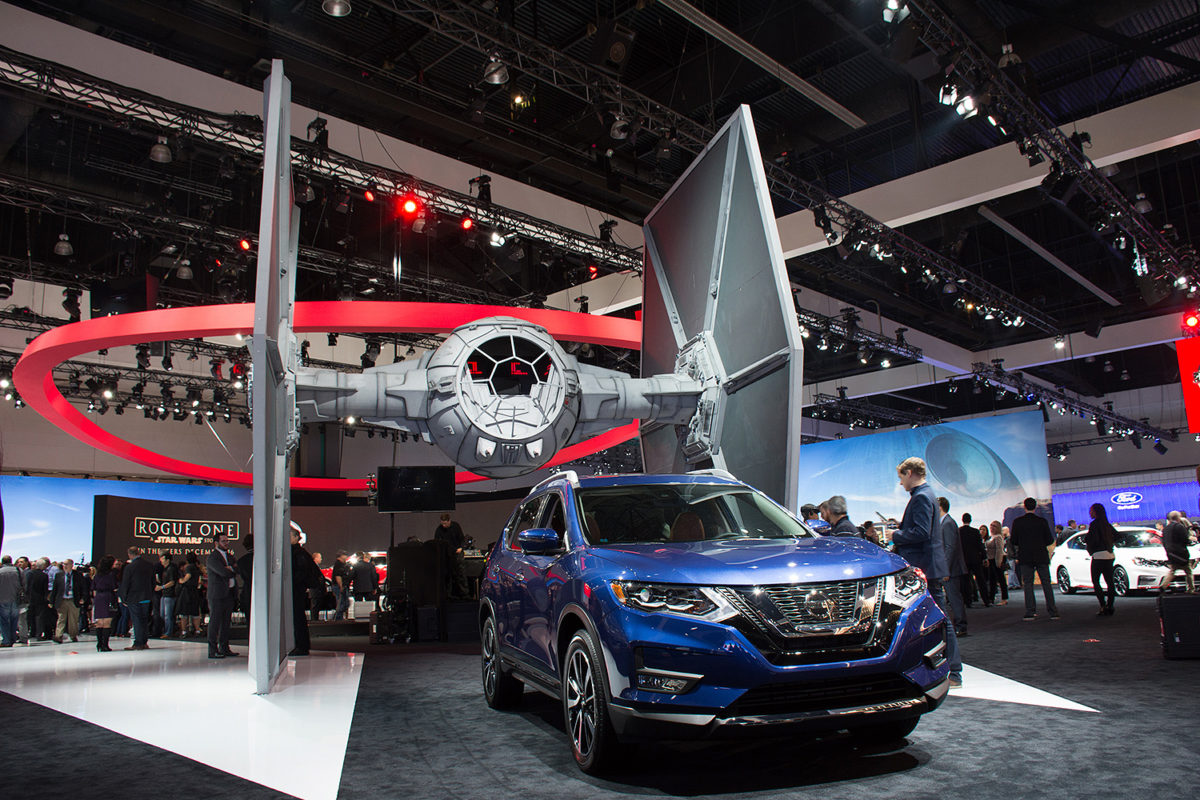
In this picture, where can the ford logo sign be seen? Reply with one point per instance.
(1126, 498)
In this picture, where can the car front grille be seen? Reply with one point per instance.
(805, 610)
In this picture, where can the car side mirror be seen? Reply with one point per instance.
(539, 540)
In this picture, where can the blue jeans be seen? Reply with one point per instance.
(166, 609)
(953, 658)
(343, 603)
(9, 613)
(139, 613)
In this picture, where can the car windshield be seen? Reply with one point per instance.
(684, 512)
(1139, 538)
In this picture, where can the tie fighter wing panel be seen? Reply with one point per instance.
(715, 270)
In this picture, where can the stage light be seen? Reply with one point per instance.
(1136, 440)
(70, 304)
(620, 128)
(495, 72)
(369, 195)
(412, 351)
(331, 339)
(966, 107)
(409, 205)
(370, 354)
(418, 223)
(244, 244)
(1060, 342)
(948, 94)
(167, 363)
(466, 223)
(1191, 323)
(108, 390)
(498, 239)
(1140, 204)
(63, 246)
(582, 300)
(483, 186)
(336, 8)
(160, 153)
(593, 272)
(350, 420)
(342, 200)
(885, 362)
(6, 288)
(606, 230)
(895, 11)
(214, 368)
(237, 374)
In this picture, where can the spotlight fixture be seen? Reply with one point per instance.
(606, 230)
(193, 397)
(1136, 440)
(582, 300)
(495, 72)
(342, 200)
(70, 304)
(483, 187)
(895, 11)
(304, 345)
(967, 107)
(1060, 342)
(370, 354)
(143, 356)
(336, 8)
(498, 239)
(619, 129)
(948, 94)
(6, 288)
(1140, 204)
(167, 363)
(63, 246)
(183, 270)
(160, 152)
(214, 368)
(331, 339)
(237, 374)
(411, 351)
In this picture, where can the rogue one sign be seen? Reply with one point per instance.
(1127, 501)
(182, 531)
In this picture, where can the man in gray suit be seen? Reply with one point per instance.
(956, 566)
(222, 584)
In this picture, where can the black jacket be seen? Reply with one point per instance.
(137, 581)
(1100, 537)
(844, 527)
(1032, 535)
(78, 587)
(37, 587)
(220, 571)
(974, 552)
(1175, 542)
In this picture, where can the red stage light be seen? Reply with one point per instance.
(467, 223)
(244, 244)
(1191, 320)
(593, 272)
(409, 206)
(369, 195)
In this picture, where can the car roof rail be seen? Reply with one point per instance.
(715, 472)
(569, 475)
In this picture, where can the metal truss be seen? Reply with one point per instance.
(478, 28)
(868, 413)
(136, 221)
(1018, 114)
(243, 133)
(1058, 400)
(846, 328)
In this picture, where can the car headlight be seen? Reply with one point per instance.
(666, 598)
(904, 588)
(1148, 562)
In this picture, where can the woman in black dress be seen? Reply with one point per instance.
(1099, 540)
(104, 602)
(187, 603)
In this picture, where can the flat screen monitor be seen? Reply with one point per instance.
(416, 489)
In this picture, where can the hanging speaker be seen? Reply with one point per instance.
(612, 46)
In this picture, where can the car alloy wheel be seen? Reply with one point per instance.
(1064, 581)
(1121, 579)
(585, 708)
(500, 689)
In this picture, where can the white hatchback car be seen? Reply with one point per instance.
(1141, 562)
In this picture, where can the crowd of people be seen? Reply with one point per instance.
(146, 595)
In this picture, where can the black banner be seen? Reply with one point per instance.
(163, 527)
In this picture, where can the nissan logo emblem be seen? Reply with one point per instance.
(819, 605)
(1126, 498)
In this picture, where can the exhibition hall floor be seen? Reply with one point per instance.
(1082, 706)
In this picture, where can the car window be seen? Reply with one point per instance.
(526, 517)
(553, 516)
(686, 512)
(1138, 538)
(1077, 543)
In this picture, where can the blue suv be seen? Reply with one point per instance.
(685, 606)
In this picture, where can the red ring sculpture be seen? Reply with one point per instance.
(34, 372)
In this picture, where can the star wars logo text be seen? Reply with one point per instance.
(182, 532)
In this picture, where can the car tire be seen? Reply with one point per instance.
(593, 741)
(1121, 581)
(885, 732)
(500, 689)
(1064, 581)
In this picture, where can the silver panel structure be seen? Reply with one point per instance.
(272, 392)
(717, 306)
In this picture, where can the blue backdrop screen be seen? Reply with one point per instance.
(1133, 503)
(53, 516)
(984, 466)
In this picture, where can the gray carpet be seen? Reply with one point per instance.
(421, 730)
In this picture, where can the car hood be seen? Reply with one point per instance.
(750, 562)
